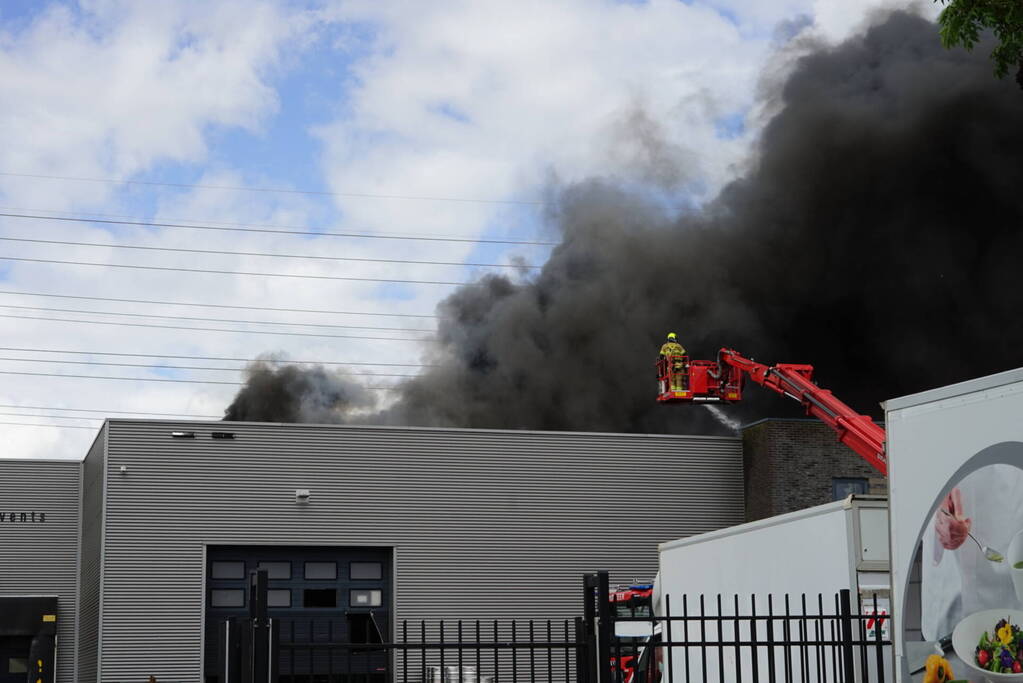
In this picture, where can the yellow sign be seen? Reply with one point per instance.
(49, 617)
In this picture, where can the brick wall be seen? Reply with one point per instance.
(790, 465)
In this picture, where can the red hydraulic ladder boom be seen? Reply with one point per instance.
(722, 382)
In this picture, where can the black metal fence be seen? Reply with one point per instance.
(810, 639)
(457, 651)
(692, 639)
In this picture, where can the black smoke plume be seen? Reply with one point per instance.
(288, 393)
(877, 235)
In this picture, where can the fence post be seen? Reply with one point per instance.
(845, 618)
(590, 653)
(584, 657)
(605, 628)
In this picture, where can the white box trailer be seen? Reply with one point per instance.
(816, 551)
(955, 452)
(822, 549)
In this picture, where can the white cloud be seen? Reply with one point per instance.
(484, 98)
(110, 90)
(122, 85)
(454, 98)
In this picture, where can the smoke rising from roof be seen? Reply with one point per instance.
(877, 235)
(289, 393)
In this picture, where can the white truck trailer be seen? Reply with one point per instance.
(816, 551)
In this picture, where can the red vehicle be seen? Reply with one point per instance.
(630, 601)
(682, 380)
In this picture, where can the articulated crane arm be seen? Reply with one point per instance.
(856, 431)
(707, 381)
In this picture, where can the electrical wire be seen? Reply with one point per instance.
(53, 417)
(206, 305)
(216, 320)
(227, 358)
(266, 254)
(180, 367)
(231, 272)
(279, 190)
(213, 329)
(110, 412)
(274, 231)
(33, 424)
(153, 379)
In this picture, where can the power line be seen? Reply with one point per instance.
(153, 379)
(266, 254)
(128, 379)
(231, 272)
(33, 424)
(179, 367)
(239, 360)
(110, 412)
(212, 329)
(205, 305)
(217, 320)
(323, 193)
(277, 231)
(53, 417)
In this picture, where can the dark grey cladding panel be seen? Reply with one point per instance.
(89, 567)
(485, 524)
(39, 530)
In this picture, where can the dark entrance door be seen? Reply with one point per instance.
(315, 594)
(14, 662)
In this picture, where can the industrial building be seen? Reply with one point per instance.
(145, 546)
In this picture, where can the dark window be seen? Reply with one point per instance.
(363, 597)
(366, 570)
(228, 570)
(362, 628)
(278, 597)
(319, 597)
(276, 570)
(227, 598)
(19, 665)
(843, 487)
(321, 570)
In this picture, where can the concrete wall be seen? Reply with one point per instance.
(39, 531)
(790, 465)
(484, 524)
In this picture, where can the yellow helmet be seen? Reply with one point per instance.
(671, 336)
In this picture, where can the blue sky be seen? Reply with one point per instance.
(407, 114)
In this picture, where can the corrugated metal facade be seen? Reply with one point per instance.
(89, 567)
(40, 558)
(483, 523)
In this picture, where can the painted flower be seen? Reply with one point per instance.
(1005, 634)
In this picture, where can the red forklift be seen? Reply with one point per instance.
(630, 601)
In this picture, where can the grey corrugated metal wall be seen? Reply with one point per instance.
(89, 566)
(41, 558)
(484, 523)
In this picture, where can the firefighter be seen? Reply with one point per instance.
(673, 352)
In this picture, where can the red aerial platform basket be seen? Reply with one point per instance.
(681, 380)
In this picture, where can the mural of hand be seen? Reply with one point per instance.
(951, 527)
